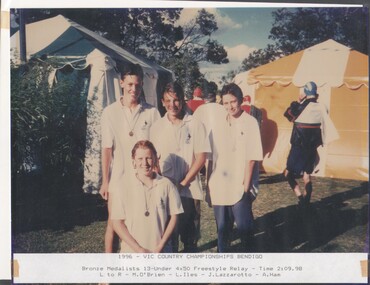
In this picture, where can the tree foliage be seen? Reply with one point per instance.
(260, 57)
(297, 29)
(212, 87)
(228, 78)
(197, 43)
(48, 125)
(189, 77)
(150, 32)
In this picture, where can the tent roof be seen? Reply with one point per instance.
(68, 42)
(327, 63)
(279, 71)
(357, 70)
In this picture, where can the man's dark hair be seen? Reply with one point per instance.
(132, 69)
(174, 87)
(233, 89)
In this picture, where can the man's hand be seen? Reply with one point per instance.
(301, 97)
(143, 250)
(180, 186)
(104, 190)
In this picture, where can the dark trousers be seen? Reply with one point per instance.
(241, 214)
(188, 226)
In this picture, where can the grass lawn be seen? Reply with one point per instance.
(336, 222)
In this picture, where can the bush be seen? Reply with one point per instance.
(48, 128)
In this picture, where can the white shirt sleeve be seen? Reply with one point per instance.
(153, 135)
(107, 135)
(201, 144)
(118, 206)
(156, 115)
(329, 132)
(254, 142)
(174, 201)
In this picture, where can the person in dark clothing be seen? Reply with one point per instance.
(312, 128)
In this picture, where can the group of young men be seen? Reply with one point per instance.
(225, 137)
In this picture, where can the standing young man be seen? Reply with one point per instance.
(123, 123)
(182, 144)
(236, 146)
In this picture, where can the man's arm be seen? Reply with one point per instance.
(200, 159)
(120, 228)
(209, 169)
(107, 154)
(167, 233)
(249, 165)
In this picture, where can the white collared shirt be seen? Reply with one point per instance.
(233, 146)
(135, 199)
(176, 146)
(116, 123)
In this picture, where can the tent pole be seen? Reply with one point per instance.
(22, 36)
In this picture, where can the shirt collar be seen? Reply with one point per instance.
(137, 109)
(158, 179)
(187, 118)
(237, 119)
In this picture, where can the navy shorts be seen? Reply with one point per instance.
(301, 160)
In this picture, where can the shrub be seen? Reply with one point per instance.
(48, 127)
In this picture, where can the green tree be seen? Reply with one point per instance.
(197, 42)
(226, 79)
(143, 31)
(155, 34)
(48, 128)
(212, 87)
(296, 29)
(151, 32)
(260, 57)
(187, 73)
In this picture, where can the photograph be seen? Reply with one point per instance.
(205, 142)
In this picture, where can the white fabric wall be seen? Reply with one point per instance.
(104, 89)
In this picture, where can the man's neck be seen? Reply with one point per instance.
(131, 104)
(237, 115)
(146, 180)
(175, 120)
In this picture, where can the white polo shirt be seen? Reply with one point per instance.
(234, 145)
(211, 115)
(176, 146)
(116, 124)
(160, 201)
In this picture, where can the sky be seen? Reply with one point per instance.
(240, 31)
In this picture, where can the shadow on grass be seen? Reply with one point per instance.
(270, 179)
(291, 229)
(284, 230)
(59, 213)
